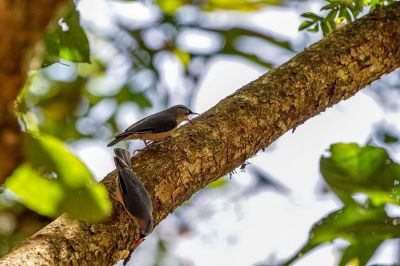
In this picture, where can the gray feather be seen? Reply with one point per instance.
(135, 196)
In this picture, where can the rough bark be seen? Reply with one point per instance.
(22, 23)
(225, 136)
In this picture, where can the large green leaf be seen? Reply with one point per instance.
(39, 194)
(67, 41)
(353, 169)
(71, 189)
(364, 229)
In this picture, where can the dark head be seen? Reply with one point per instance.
(182, 110)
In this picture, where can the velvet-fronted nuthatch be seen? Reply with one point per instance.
(132, 194)
(156, 126)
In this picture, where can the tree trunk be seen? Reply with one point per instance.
(22, 23)
(225, 136)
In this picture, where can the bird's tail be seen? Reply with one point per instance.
(122, 158)
(119, 137)
(115, 141)
(123, 163)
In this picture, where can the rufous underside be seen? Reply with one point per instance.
(150, 136)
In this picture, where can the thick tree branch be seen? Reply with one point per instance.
(225, 136)
(22, 23)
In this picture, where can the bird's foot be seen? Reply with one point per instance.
(137, 243)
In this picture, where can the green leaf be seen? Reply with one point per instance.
(82, 197)
(67, 41)
(353, 169)
(88, 203)
(358, 226)
(305, 24)
(332, 15)
(325, 28)
(312, 16)
(39, 194)
(314, 29)
(74, 42)
(328, 6)
(71, 171)
(344, 13)
(356, 8)
(52, 50)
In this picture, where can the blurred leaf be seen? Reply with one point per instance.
(126, 94)
(233, 34)
(389, 139)
(351, 169)
(74, 42)
(90, 202)
(363, 228)
(218, 183)
(71, 171)
(361, 251)
(67, 41)
(52, 49)
(170, 7)
(183, 56)
(40, 194)
(82, 197)
(239, 5)
(251, 58)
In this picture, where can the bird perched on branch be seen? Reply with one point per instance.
(132, 194)
(156, 126)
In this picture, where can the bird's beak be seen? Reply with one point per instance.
(193, 113)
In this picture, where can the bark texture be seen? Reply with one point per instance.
(22, 23)
(225, 136)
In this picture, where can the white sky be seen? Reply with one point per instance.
(268, 225)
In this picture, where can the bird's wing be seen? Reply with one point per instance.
(122, 169)
(156, 123)
(137, 199)
(134, 194)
